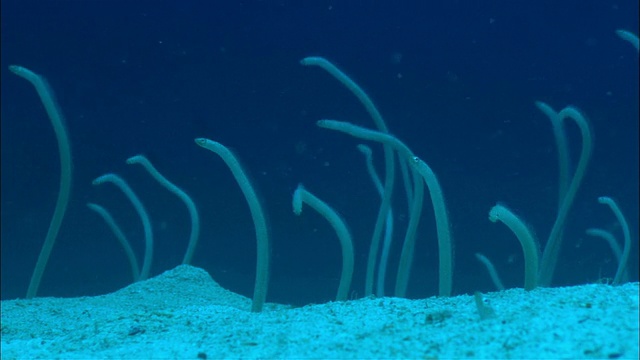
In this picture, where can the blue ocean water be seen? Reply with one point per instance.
(455, 80)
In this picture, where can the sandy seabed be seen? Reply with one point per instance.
(184, 314)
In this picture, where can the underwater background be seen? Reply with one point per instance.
(455, 80)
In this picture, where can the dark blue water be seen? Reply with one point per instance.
(455, 80)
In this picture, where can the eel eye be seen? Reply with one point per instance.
(415, 159)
